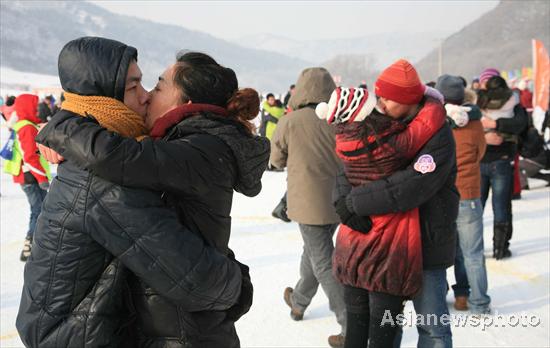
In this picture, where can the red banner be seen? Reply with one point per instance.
(541, 75)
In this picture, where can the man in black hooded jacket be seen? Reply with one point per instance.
(74, 291)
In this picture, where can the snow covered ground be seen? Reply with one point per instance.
(14, 82)
(272, 248)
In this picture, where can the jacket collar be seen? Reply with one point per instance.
(175, 116)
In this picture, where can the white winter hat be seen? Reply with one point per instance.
(347, 105)
(458, 113)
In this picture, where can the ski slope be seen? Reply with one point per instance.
(272, 249)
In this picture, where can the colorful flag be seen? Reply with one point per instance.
(525, 73)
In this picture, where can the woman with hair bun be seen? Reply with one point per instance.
(201, 148)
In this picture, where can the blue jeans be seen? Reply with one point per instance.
(432, 300)
(470, 271)
(498, 176)
(35, 197)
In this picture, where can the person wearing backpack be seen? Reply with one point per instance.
(28, 168)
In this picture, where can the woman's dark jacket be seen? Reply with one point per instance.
(73, 292)
(515, 126)
(200, 161)
(434, 193)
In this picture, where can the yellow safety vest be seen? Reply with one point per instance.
(13, 166)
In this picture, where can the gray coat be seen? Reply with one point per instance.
(305, 144)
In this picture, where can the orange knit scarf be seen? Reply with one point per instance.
(109, 112)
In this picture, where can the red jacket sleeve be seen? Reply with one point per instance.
(422, 128)
(31, 156)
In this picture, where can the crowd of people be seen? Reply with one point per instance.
(128, 245)
(397, 255)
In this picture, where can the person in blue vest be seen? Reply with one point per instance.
(27, 166)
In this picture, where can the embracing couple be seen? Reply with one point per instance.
(131, 247)
(398, 204)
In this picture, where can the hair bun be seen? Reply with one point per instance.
(244, 104)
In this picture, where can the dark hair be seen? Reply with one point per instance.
(203, 81)
(292, 86)
(497, 93)
(431, 84)
(375, 124)
(10, 101)
(269, 95)
(496, 82)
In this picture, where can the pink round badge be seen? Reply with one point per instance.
(425, 164)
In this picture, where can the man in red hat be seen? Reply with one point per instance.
(428, 183)
(399, 89)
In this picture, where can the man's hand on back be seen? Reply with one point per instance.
(358, 223)
(492, 138)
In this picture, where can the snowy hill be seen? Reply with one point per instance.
(381, 48)
(352, 59)
(500, 38)
(48, 25)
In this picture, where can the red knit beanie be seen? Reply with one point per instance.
(400, 83)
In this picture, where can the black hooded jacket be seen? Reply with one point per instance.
(198, 164)
(74, 290)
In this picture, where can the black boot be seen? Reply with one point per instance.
(280, 211)
(509, 229)
(501, 232)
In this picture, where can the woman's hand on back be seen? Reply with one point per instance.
(50, 155)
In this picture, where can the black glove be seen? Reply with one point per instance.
(245, 299)
(358, 223)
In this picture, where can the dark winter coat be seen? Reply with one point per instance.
(507, 126)
(434, 193)
(45, 113)
(200, 161)
(74, 293)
